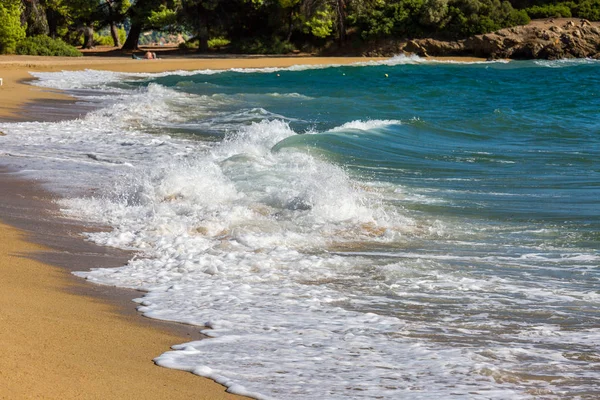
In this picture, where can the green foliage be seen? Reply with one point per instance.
(441, 18)
(217, 43)
(264, 46)
(280, 26)
(11, 31)
(549, 10)
(46, 46)
(518, 17)
(288, 3)
(473, 17)
(588, 9)
(394, 18)
(104, 38)
(122, 35)
(163, 17)
(82, 11)
(434, 13)
(321, 24)
(213, 44)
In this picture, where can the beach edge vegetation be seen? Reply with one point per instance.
(262, 26)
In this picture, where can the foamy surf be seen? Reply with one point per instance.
(399, 253)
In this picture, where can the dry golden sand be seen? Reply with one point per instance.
(60, 345)
(56, 344)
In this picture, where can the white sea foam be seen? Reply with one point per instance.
(366, 125)
(85, 79)
(565, 62)
(310, 283)
(292, 95)
(96, 79)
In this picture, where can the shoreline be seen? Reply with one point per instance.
(80, 339)
(64, 338)
(14, 70)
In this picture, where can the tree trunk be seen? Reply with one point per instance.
(341, 11)
(290, 25)
(88, 36)
(202, 30)
(34, 16)
(52, 18)
(132, 41)
(114, 32)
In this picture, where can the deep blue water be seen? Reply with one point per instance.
(523, 138)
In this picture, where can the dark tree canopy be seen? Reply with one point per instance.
(273, 25)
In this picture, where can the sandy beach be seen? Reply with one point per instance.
(58, 344)
(63, 338)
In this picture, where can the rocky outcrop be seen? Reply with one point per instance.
(548, 39)
(432, 47)
(568, 40)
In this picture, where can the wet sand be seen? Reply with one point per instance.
(63, 338)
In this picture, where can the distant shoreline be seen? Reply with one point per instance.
(15, 70)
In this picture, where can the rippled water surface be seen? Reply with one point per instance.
(406, 230)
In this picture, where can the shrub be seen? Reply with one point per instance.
(264, 46)
(588, 9)
(518, 17)
(11, 31)
(549, 10)
(213, 44)
(46, 46)
(103, 40)
(217, 43)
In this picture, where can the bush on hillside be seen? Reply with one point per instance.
(474, 17)
(440, 18)
(549, 11)
(588, 9)
(46, 46)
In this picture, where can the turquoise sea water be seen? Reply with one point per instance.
(397, 230)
